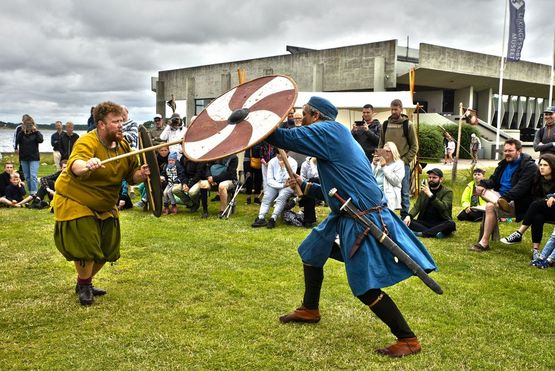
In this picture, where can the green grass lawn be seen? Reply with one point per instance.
(190, 293)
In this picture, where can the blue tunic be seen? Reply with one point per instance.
(342, 164)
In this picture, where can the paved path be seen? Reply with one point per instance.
(463, 164)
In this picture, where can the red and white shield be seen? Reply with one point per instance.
(240, 118)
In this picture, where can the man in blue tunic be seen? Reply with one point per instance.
(342, 164)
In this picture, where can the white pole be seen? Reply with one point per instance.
(550, 101)
(501, 70)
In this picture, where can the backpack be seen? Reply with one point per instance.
(405, 129)
(219, 169)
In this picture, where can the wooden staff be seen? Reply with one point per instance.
(148, 149)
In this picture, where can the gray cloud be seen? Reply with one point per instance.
(62, 56)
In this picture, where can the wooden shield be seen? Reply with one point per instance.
(153, 185)
(240, 118)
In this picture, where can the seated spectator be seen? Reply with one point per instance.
(252, 166)
(542, 209)
(546, 258)
(191, 190)
(276, 189)
(223, 174)
(174, 175)
(512, 180)
(124, 201)
(433, 208)
(47, 188)
(15, 192)
(309, 173)
(389, 171)
(9, 168)
(473, 205)
(162, 158)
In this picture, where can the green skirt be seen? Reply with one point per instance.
(88, 239)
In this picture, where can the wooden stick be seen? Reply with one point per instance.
(149, 149)
(290, 171)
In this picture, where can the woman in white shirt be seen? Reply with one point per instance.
(389, 170)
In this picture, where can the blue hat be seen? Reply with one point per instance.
(324, 106)
(550, 109)
(172, 156)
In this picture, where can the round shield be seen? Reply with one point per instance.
(240, 118)
(153, 185)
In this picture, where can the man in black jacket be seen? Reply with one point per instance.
(367, 132)
(67, 140)
(512, 180)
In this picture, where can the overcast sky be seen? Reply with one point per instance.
(60, 57)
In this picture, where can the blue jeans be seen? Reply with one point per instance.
(549, 248)
(31, 172)
(405, 193)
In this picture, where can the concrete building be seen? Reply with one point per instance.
(445, 77)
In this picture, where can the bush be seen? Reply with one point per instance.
(431, 142)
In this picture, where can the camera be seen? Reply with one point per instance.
(359, 123)
(424, 183)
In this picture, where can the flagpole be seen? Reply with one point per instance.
(550, 102)
(501, 70)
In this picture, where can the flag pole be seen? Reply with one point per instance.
(550, 102)
(501, 70)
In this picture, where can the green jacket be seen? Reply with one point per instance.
(442, 201)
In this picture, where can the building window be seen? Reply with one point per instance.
(200, 104)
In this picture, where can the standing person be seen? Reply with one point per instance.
(87, 229)
(55, 139)
(157, 130)
(67, 140)
(367, 132)
(399, 130)
(16, 132)
(173, 131)
(252, 166)
(389, 170)
(449, 148)
(544, 140)
(130, 129)
(91, 125)
(342, 164)
(28, 141)
(475, 146)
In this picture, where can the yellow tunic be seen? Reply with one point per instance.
(95, 193)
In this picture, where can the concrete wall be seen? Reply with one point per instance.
(434, 99)
(461, 61)
(351, 68)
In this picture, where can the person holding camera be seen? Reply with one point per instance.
(174, 131)
(433, 207)
(367, 132)
(28, 140)
(389, 171)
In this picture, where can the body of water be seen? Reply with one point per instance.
(6, 139)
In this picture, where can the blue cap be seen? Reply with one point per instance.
(550, 109)
(324, 106)
(172, 156)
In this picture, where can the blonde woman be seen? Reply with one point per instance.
(389, 170)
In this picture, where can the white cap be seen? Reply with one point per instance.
(158, 116)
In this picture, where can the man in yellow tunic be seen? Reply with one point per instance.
(87, 229)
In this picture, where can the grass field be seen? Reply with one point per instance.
(190, 293)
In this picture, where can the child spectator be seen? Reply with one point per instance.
(15, 192)
(173, 173)
(473, 205)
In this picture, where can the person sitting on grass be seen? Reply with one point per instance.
(546, 258)
(174, 174)
(542, 209)
(47, 188)
(512, 180)
(162, 158)
(276, 189)
(124, 201)
(433, 207)
(15, 192)
(5, 176)
(223, 175)
(470, 201)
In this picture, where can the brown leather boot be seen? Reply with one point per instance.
(301, 315)
(403, 347)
